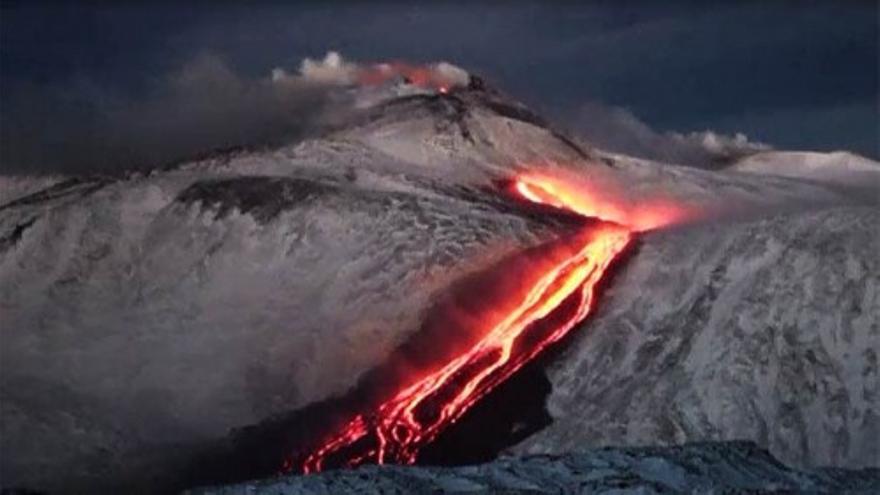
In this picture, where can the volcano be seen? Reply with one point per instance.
(412, 259)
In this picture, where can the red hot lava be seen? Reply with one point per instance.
(554, 297)
(592, 202)
(428, 77)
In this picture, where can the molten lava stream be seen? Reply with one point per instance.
(549, 303)
(598, 202)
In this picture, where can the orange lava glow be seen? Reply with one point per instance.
(581, 199)
(417, 75)
(549, 301)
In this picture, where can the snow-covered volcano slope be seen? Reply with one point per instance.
(147, 316)
(835, 168)
(14, 187)
(161, 312)
(763, 329)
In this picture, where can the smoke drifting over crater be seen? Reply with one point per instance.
(333, 69)
(206, 105)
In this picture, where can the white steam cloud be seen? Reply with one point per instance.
(333, 69)
(618, 130)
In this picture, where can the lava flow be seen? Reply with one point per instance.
(554, 296)
(595, 203)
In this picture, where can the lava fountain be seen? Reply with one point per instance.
(552, 297)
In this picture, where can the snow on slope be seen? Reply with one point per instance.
(14, 187)
(840, 167)
(480, 136)
(763, 329)
(156, 313)
(147, 316)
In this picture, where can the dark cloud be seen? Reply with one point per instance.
(761, 68)
(84, 128)
(846, 126)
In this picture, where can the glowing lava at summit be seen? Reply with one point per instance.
(555, 294)
(439, 77)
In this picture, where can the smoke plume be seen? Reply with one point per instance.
(619, 130)
(81, 128)
(333, 69)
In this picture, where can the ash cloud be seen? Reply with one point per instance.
(81, 128)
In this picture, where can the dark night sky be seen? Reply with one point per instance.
(793, 74)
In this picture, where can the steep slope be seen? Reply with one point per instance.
(760, 329)
(154, 314)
